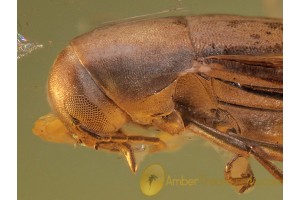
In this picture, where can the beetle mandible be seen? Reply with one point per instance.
(219, 76)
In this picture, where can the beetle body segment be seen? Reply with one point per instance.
(137, 65)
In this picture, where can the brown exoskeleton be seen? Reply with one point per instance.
(218, 76)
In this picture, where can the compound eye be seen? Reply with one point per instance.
(88, 114)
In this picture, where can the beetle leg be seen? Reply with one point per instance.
(239, 174)
(225, 141)
(155, 143)
(124, 148)
(122, 143)
(271, 151)
(122, 138)
(127, 151)
(259, 155)
(235, 145)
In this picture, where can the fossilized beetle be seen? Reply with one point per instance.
(219, 76)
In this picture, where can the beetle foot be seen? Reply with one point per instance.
(239, 174)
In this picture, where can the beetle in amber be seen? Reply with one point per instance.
(218, 76)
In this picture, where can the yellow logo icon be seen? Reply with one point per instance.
(152, 180)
